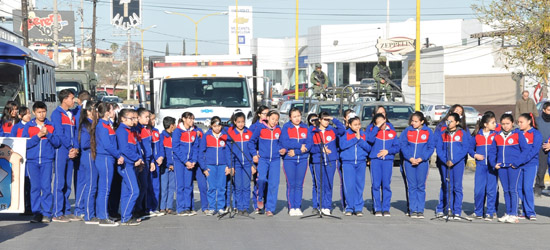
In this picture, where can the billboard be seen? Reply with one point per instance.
(40, 26)
(125, 14)
(396, 45)
(12, 174)
(244, 21)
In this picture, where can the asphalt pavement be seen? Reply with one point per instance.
(285, 232)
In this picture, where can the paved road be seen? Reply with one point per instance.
(285, 232)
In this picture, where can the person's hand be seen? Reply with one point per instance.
(328, 151)
(120, 160)
(137, 163)
(382, 153)
(256, 158)
(206, 172)
(43, 132)
(160, 160)
(72, 153)
(449, 164)
(291, 153)
(358, 135)
(546, 146)
(418, 161)
(479, 157)
(303, 149)
(227, 171)
(282, 151)
(498, 166)
(189, 165)
(413, 161)
(152, 167)
(171, 168)
(253, 170)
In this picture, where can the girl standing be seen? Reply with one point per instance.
(417, 144)
(86, 131)
(324, 156)
(486, 176)
(9, 118)
(242, 161)
(529, 168)
(354, 150)
(24, 117)
(266, 139)
(452, 146)
(385, 145)
(259, 118)
(215, 164)
(296, 140)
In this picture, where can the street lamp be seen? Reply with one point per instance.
(196, 23)
(142, 31)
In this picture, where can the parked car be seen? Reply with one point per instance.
(434, 113)
(397, 113)
(331, 107)
(276, 100)
(111, 98)
(287, 105)
(100, 94)
(292, 90)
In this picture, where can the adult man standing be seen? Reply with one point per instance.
(319, 80)
(543, 125)
(525, 105)
(381, 74)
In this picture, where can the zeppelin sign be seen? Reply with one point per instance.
(396, 45)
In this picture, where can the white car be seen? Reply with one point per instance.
(433, 112)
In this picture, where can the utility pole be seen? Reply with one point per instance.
(81, 34)
(183, 51)
(128, 73)
(387, 27)
(55, 33)
(25, 22)
(92, 66)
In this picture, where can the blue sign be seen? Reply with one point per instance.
(207, 111)
(242, 40)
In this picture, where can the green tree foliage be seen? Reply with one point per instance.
(525, 25)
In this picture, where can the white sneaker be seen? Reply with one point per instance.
(292, 212)
(221, 211)
(299, 212)
(512, 219)
(325, 211)
(503, 218)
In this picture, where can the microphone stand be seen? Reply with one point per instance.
(320, 186)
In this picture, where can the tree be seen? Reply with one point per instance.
(110, 74)
(525, 25)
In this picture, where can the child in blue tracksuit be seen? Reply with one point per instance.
(153, 193)
(146, 145)
(385, 144)
(417, 144)
(240, 137)
(529, 169)
(452, 147)
(88, 170)
(215, 163)
(9, 118)
(128, 143)
(259, 118)
(297, 141)
(354, 150)
(107, 155)
(40, 156)
(483, 151)
(266, 140)
(166, 169)
(25, 116)
(185, 144)
(325, 158)
(311, 121)
(511, 154)
(65, 128)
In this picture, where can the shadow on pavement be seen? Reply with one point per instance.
(21, 226)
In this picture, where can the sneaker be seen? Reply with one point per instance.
(292, 212)
(325, 211)
(488, 217)
(439, 215)
(221, 211)
(37, 218)
(192, 212)
(347, 213)
(378, 214)
(512, 219)
(474, 216)
(503, 218)
(131, 222)
(108, 223)
(420, 215)
(209, 212)
(359, 214)
(257, 211)
(521, 217)
(170, 212)
(161, 213)
(533, 218)
(46, 219)
(61, 218)
(387, 214)
(183, 213)
(73, 217)
(299, 212)
(414, 215)
(92, 221)
(269, 214)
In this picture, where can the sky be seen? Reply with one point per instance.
(272, 19)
